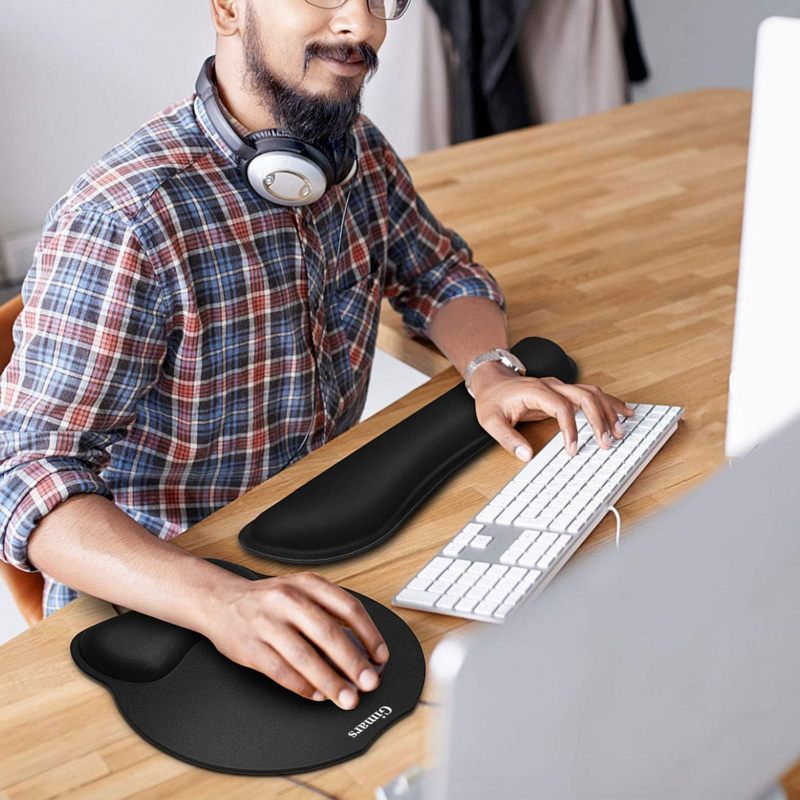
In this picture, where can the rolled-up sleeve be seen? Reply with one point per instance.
(88, 345)
(428, 263)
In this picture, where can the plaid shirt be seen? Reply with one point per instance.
(181, 335)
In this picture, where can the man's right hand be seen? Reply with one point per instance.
(87, 542)
(269, 625)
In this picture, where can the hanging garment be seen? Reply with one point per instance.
(488, 95)
(573, 57)
(521, 61)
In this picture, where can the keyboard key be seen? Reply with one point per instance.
(472, 527)
(562, 542)
(561, 522)
(486, 608)
(529, 521)
(545, 561)
(514, 597)
(529, 579)
(507, 584)
(439, 587)
(435, 568)
(419, 584)
(447, 601)
(454, 548)
(477, 592)
(507, 516)
(481, 541)
(488, 514)
(529, 559)
(423, 598)
(574, 527)
(467, 604)
(503, 610)
(450, 575)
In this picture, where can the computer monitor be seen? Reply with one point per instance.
(666, 669)
(764, 384)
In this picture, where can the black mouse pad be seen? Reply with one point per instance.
(178, 692)
(362, 500)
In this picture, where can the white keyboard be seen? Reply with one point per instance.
(519, 540)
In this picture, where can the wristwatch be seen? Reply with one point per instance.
(503, 356)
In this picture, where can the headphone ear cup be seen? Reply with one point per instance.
(276, 140)
(287, 170)
(345, 159)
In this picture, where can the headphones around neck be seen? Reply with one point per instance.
(278, 166)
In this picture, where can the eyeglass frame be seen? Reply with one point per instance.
(342, 2)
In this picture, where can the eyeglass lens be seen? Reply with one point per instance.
(383, 9)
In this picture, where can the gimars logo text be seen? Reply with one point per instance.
(380, 714)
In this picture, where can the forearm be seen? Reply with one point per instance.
(466, 327)
(90, 544)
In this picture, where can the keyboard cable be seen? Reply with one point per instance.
(619, 522)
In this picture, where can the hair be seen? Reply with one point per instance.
(307, 116)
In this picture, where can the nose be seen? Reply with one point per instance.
(354, 17)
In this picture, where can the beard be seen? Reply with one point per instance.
(306, 116)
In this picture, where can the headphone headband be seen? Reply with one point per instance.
(278, 166)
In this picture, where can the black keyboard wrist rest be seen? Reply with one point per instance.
(362, 500)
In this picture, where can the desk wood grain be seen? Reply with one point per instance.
(616, 235)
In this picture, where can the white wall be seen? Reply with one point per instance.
(693, 44)
(77, 78)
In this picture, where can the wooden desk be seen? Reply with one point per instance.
(616, 235)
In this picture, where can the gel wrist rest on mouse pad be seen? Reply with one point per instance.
(362, 500)
(182, 695)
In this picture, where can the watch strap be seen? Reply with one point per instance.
(505, 357)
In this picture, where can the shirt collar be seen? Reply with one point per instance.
(208, 129)
(241, 130)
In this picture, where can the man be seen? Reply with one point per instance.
(173, 326)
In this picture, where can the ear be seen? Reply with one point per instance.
(227, 16)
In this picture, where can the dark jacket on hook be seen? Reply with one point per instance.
(489, 96)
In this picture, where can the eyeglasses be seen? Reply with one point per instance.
(382, 9)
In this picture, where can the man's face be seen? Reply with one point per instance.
(294, 62)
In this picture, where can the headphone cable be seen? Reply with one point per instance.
(325, 318)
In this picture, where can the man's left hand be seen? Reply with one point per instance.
(503, 399)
